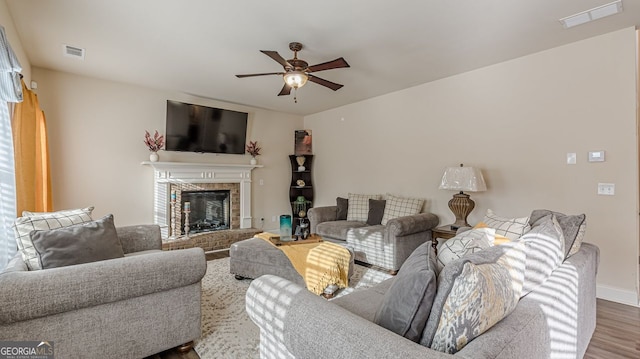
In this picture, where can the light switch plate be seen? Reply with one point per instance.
(596, 156)
(606, 189)
(571, 158)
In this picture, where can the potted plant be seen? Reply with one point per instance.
(154, 144)
(254, 150)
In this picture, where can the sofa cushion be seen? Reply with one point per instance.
(464, 243)
(376, 211)
(82, 243)
(337, 229)
(343, 207)
(545, 252)
(512, 228)
(399, 207)
(474, 293)
(23, 226)
(359, 206)
(573, 228)
(407, 304)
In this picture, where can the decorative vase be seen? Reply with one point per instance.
(285, 227)
(254, 161)
(301, 160)
(153, 157)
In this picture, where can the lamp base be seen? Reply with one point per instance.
(461, 205)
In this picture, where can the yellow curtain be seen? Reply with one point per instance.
(31, 151)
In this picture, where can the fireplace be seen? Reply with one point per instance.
(209, 211)
(172, 179)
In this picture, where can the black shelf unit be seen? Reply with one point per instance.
(295, 191)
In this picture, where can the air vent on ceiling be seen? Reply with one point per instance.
(73, 51)
(592, 14)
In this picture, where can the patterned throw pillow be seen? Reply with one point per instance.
(545, 252)
(464, 243)
(512, 228)
(52, 220)
(399, 207)
(359, 206)
(474, 293)
(497, 238)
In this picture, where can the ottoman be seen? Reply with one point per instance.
(254, 257)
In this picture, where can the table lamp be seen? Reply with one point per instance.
(462, 179)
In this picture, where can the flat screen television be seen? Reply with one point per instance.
(195, 128)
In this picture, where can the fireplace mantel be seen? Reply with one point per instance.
(166, 173)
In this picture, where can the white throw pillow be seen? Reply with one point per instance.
(464, 243)
(358, 209)
(512, 228)
(397, 207)
(23, 226)
(545, 251)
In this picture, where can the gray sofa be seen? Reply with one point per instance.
(386, 246)
(130, 307)
(554, 321)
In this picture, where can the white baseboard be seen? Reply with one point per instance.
(618, 295)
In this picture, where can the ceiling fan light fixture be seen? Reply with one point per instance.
(295, 79)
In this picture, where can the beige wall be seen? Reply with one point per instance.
(14, 40)
(96, 129)
(516, 121)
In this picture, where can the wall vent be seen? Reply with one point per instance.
(73, 51)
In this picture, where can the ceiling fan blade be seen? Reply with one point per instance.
(276, 56)
(332, 85)
(264, 74)
(286, 90)
(335, 64)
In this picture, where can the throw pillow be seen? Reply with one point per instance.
(52, 220)
(497, 238)
(512, 228)
(407, 304)
(343, 206)
(573, 227)
(474, 293)
(359, 206)
(464, 243)
(545, 252)
(376, 211)
(399, 207)
(83, 243)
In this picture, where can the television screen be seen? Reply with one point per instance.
(194, 128)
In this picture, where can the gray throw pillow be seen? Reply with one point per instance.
(570, 224)
(376, 211)
(83, 243)
(343, 207)
(407, 304)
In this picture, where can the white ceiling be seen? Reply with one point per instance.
(197, 46)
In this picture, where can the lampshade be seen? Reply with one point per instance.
(463, 179)
(295, 79)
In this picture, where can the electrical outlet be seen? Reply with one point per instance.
(261, 182)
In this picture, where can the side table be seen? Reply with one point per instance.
(444, 232)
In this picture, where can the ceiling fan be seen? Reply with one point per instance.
(297, 71)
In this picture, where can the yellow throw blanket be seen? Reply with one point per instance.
(320, 264)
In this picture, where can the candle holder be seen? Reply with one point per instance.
(186, 222)
(174, 229)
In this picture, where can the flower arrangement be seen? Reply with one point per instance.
(253, 149)
(154, 143)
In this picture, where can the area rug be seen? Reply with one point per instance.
(227, 331)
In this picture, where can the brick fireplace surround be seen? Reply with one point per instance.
(181, 176)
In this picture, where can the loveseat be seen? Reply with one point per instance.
(554, 320)
(386, 246)
(130, 307)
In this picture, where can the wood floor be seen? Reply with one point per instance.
(617, 333)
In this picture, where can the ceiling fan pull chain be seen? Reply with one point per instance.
(295, 95)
